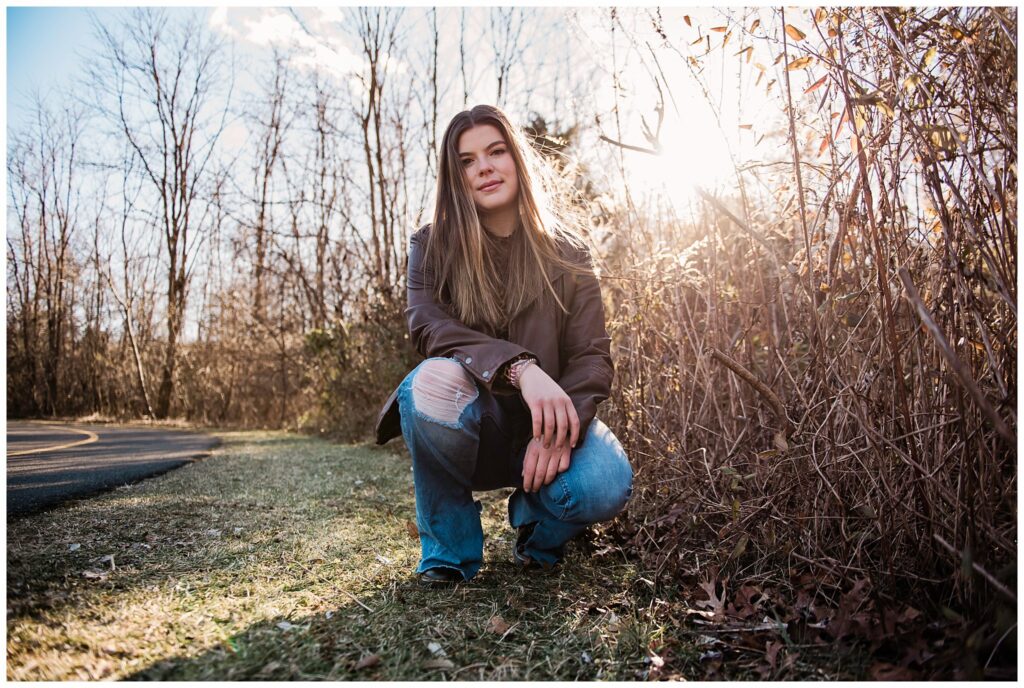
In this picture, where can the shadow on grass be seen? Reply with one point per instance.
(499, 626)
(246, 566)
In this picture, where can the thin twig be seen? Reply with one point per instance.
(977, 567)
(954, 361)
(762, 389)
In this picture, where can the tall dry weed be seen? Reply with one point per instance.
(829, 384)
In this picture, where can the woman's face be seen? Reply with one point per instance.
(489, 168)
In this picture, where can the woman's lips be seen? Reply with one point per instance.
(490, 185)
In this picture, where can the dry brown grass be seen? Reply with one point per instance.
(824, 380)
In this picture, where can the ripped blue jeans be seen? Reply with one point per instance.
(463, 438)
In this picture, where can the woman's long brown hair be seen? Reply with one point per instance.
(458, 248)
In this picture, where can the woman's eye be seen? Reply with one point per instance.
(498, 151)
(466, 162)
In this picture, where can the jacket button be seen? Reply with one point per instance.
(487, 373)
(469, 359)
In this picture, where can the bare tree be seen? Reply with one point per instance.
(271, 134)
(44, 167)
(126, 297)
(162, 78)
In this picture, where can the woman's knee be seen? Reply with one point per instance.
(441, 389)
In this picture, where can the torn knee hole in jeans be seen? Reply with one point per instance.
(442, 391)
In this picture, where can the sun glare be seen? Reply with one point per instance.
(693, 154)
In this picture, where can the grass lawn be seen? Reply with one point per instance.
(288, 557)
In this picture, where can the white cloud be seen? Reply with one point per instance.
(331, 14)
(269, 29)
(219, 21)
(322, 48)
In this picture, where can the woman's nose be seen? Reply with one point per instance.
(485, 166)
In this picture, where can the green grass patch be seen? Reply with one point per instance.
(288, 557)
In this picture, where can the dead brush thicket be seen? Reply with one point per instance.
(823, 382)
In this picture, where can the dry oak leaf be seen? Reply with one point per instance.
(715, 603)
(497, 625)
(795, 33)
(438, 664)
(367, 661)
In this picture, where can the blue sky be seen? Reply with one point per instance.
(44, 46)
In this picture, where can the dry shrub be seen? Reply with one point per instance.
(891, 453)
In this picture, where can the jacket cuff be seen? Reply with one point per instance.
(486, 368)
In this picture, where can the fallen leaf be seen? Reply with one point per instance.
(410, 528)
(909, 614)
(883, 671)
(438, 664)
(714, 602)
(771, 652)
(779, 440)
(795, 33)
(74, 547)
(94, 575)
(497, 625)
(367, 661)
(383, 560)
(284, 625)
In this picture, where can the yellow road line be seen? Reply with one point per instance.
(90, 437)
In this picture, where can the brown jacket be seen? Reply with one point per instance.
(573, 349)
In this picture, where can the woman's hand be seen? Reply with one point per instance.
(541, 465)
(556, 425)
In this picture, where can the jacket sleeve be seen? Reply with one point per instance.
(586, 346)
(435, 332)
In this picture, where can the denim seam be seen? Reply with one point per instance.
(568, 497)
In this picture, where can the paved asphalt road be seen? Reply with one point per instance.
(48, 463)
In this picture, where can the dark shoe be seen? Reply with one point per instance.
(440, 577)
(520, 558)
